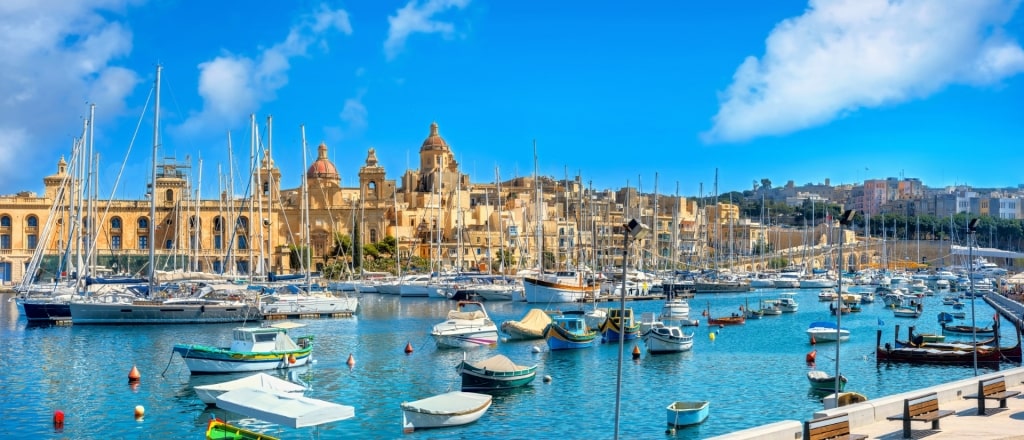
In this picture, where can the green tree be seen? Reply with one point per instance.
(504, 259)
(297, 256)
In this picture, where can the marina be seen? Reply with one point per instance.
(80, 370)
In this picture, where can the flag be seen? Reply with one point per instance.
(880, 323)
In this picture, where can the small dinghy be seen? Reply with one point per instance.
(443, 410)
(687, 413)
(495, 373)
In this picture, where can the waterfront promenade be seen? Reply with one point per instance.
(869, 418)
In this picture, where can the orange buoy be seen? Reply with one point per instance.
(139, 412)
(408, 347)
(351, 360)
(811, 356)
(58, 419)
(134, 376)
(291, 358)
(813, 341)
(636, 351)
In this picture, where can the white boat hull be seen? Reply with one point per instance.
(444, 410)
(467, 339)
(300, 304)
(544, 292)
(222, 366)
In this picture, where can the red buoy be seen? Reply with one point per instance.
(811, 356)
(408, 347)
(134, 376)
(636, 351)
(351, 360)
(813, 341)
(58, 419)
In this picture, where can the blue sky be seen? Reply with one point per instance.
(786, 90)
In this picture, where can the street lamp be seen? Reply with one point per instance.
(972, 226)
(637, 231)
(844, 220)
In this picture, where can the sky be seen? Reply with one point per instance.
(685, 93)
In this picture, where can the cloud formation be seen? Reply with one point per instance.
(57, 56)
(233, 86)
(415, 17)
(844, 55)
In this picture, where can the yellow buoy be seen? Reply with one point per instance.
(711, 336)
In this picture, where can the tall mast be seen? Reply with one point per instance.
(305, 214)
(152, 190)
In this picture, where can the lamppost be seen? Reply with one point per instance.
(972, 226)
(636, 231)
(844, 220)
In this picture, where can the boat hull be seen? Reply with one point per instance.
(687, 413)
(477, 379)
(155, 312)
(210, 360)
(319, 304)
(540, 291)
(436, 412)
(220, 430)
(664, 340)
(46, 309)
(558, 338)
(467, 338)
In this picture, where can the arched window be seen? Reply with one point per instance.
(115, 223)
(217, 224)
(32, 221)
(169, 195)
(192, 221)
(266, 187)
(5, 221)
(143, 223)
(243, 223)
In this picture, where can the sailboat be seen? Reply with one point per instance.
(183, 303)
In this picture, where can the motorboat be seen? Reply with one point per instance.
(787, 302)
(661, 338)
(468, 326)
(826, 331)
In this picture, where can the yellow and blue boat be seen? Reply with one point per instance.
(569, 331)
(252, 349)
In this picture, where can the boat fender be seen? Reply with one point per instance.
(202, 308)
(291, 359)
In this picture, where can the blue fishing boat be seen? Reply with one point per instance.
(618, 325)
(569, 331)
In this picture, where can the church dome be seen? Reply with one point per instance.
(434, 141)
(322, 167)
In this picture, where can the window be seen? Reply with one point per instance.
(32, 221)
(115, 223)
(243, 223)
(143, 223)
(5, 221)
(169, 244)
(143, 242)
(115, 242)
(217, 224)
(373, 235)
(242, 242)
(32, 241)
(217, 242)
(5, 241)
(169, 195)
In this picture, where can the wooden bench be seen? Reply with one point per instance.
(828, 428)
(921, 409)
(994, 389)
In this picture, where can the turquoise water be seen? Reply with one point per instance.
(752, 374)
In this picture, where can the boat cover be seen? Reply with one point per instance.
(475, 314)
(451, 403)
(259, 380)
(534, 322)
(283, 409)
(499, 363)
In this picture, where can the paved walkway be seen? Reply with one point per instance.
(998, 423)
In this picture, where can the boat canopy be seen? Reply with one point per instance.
(283, 409)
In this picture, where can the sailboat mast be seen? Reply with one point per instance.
(270, 186)
(304, 216)
(152, 189)
(539, 227)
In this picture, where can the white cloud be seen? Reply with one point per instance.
(844, 55)
(57, 58)
(354, 114)
(233, 86)
(418, 18)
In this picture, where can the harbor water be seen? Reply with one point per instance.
(752, 374)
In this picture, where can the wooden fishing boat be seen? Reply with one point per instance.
(530, 327)
(823, 381)
(218, 429)
(449, 409)
(687, 413)
(618, 325)
(495, 373)
(734, 319)
(569, 331)
(252, 349)
(1011, 353)
(966, 329)
(925, 355)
